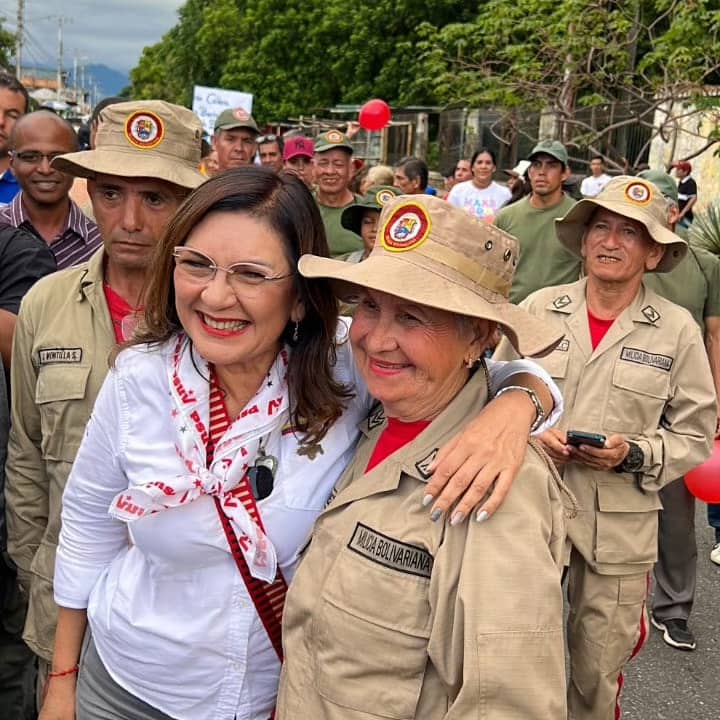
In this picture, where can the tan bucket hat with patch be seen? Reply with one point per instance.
(632, 197)
(432, 253)
(148, 138)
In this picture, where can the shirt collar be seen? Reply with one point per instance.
(77, 221)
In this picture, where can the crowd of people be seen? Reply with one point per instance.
(289, 436)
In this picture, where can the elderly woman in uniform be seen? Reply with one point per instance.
(390, 616)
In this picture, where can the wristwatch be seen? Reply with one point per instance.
(633, 461)
(539, 412)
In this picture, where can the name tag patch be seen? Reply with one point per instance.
(391, 553)
(60, 355)
(663, 362)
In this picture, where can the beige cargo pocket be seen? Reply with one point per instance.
(62, 420)
(636, 399)
(370, 637)
(627, 523)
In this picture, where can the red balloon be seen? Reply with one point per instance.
(704, 481)
(374, 115)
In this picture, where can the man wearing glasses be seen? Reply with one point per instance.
(143, 165)
(235, 138)
(270, 150)
(43, 207)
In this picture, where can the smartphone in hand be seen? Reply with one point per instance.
(578, 437)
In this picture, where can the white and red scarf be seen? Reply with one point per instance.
(235, 453)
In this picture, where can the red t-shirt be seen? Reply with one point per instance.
(119, 309)
(598, 328)
(393, 437)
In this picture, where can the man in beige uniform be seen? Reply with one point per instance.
(143, 165)
(646, 385)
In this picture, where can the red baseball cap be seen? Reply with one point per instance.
(686, 167)
(295, 146)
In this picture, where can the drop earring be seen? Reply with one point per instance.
(296, 332)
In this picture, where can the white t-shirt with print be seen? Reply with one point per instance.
(483, 204)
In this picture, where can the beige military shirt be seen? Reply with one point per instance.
(63, 340)
(648, 380)
(392, 616)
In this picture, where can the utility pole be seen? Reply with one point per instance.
(61, 20)
(19, 39)
(75, 82)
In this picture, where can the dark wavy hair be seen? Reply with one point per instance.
(284, 202)
(483, 151)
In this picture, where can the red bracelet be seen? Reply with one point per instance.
(61, 673)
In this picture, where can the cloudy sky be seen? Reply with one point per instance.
(111, 32)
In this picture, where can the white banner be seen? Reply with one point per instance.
(209, 102)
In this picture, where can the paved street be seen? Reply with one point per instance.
(667, 684)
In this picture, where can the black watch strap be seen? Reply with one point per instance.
(633, 461)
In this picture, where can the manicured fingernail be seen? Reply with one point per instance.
(435, 514)
(482, 516)
(457, 518)
(427, 499)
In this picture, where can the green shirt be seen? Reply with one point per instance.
(544, 261)
(340, 240)
(693, 284)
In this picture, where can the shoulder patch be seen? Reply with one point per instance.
(390, 553)
(643, 357)
(561, 302)
(48, 356)
(423, 464)
(376, 417)
(651, 313)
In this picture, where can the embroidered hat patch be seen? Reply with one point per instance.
(638, 192)
(144, 130)
(406, 228)
(384, 196)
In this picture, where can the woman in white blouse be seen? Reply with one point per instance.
(214, 444)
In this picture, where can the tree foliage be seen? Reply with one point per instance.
(599, 67)
(295, 56)
(7, 45)
(603, 69)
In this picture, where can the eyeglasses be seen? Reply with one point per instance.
(200, 268)
(35, 157)
(262, 139)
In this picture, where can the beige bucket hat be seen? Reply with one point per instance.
(632, 197)
(148, 138)
(432, 253)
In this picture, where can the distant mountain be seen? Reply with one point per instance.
(109, 81)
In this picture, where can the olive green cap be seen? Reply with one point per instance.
(553, 148)
(235, 119)
(662, 181)
(374, 199)
(332, 140)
